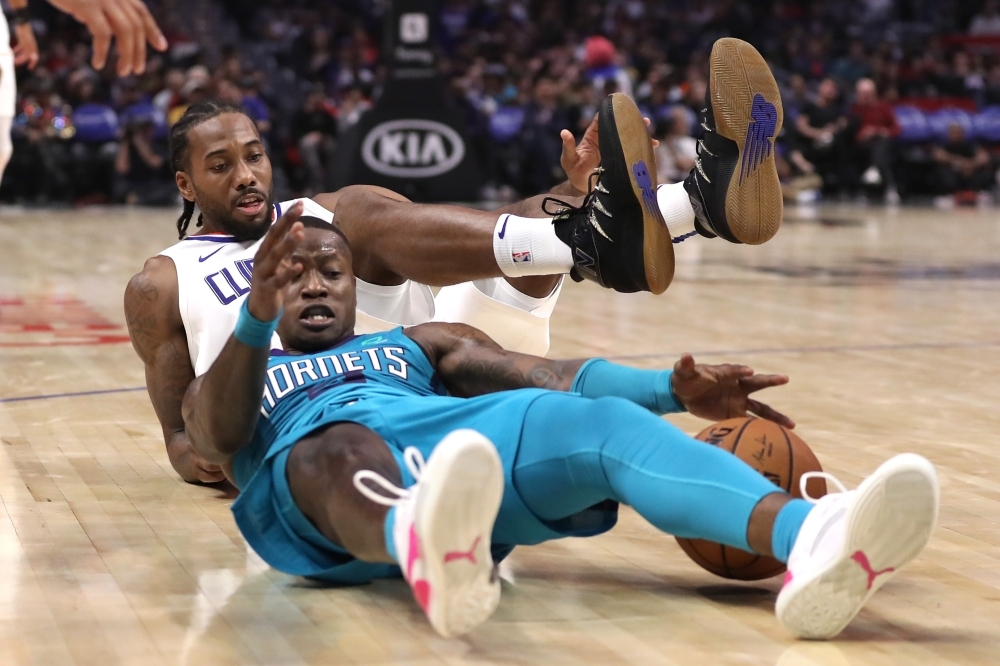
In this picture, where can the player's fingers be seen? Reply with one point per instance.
(121, 24)
(767, 412)
(101, 31)
(280, 228)
(139, 38)
(758, 382)
(33, 59)
(568, 143)
(152, 31)
(685, 366)
(289, 241)
(286, 272)
(592, 129)
(647, 121)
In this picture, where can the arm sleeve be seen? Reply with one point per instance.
(598, 378)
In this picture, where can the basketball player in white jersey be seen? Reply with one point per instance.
(25, 52)
(502, 271)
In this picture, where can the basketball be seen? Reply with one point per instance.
(782, 457)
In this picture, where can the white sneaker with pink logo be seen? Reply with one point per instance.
(443, 526)
(852, 542)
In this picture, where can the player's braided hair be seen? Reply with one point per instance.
(195, 115)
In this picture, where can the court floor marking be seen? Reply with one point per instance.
(634, 357)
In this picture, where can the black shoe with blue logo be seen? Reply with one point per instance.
(618, 236)
(734, 186)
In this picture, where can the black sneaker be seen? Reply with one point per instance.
(734, 186)
(618, 236)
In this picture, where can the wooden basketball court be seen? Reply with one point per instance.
(888, 323)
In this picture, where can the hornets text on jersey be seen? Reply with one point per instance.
(302, 389)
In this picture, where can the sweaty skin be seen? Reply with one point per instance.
(305, 276)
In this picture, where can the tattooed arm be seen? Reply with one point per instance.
(157, 332)
(470, 363)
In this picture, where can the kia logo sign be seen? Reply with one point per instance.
(412, 149)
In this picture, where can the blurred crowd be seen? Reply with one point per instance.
(521, 71)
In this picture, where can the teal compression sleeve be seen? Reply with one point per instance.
(253, 332)
(598, 378)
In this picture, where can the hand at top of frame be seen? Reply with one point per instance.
(719, 392)
(128, 21)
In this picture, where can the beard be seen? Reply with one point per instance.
(223, 218)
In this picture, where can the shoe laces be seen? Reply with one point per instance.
(414, 462)
(566, 207)
(804, 480)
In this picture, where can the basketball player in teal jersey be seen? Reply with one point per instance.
(501, 271)
(326, 440)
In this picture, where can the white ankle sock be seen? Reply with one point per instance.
(675, 204)
(529, 246)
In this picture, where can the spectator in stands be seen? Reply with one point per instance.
(853, 66)
(876, 129)
(141, 173)
(314, 131)
(41, 161)
(170, 96)
(964, 167)
(987, 22)
(677, 150)
(353, 105)
(255, 107)
(544, 118)
(991, 91)
(823, 139)
(794, 97)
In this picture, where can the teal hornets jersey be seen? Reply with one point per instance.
(300, 388)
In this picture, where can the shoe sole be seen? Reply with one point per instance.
(890, 523)
(640, 164)
(753, 200)
(461, 490)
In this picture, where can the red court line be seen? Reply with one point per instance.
(99, 340)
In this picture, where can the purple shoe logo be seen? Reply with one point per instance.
(760, 135)
(641, 173)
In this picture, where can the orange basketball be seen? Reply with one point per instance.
(778, 454)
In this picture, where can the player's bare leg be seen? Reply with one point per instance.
(442, 244)
(320, 472)
(616, 235)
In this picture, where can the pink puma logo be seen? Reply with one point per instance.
(421, 588)
(863, 562)
(463, 555)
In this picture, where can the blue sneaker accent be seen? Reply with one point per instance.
(760, 135)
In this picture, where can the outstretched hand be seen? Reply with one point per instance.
(128, 21)
(273, 267)
(718, 392)
(579, 160)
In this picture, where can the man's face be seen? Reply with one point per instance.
(229, 176)
(827, 90)
(865, 92)
(320, 302)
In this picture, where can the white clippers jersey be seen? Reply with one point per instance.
(213, 278)
(4, 36)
